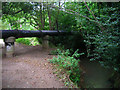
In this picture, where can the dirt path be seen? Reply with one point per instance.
(29, 69)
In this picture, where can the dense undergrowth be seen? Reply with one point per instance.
(68, 67)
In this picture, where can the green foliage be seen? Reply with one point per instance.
(68, 64)
(115, 77)
(28, 41)
(102, 44)
(67, 22)
(54, 52)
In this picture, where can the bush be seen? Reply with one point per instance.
(68, 64)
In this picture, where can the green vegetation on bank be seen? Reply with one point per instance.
(68, 65)
(97, 22)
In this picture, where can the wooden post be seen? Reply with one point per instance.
(45, 42)
(9, 46)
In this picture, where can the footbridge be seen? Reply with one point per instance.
(10, 36)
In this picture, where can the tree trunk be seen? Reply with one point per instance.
(50, 23)
(43, 23)
(50, 26)
(41, 26)
(57, 18)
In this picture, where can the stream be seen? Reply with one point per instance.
(95, 75)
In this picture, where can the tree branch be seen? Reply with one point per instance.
(18, 11)
(76, 13)
(36, 21)
(94, 16)
(73, 13)
(90, 11)
(12, 13)
(34, 26)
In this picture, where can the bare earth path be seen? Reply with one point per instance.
(29, 69)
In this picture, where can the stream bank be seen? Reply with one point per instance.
(95, 75)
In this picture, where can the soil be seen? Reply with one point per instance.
(29, 68)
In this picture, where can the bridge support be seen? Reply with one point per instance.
(9, 46)
(45, 42)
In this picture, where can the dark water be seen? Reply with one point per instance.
(95, 75)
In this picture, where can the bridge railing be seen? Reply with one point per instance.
(31, 33)
(9, 37)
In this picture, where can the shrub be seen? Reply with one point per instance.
(68, 64)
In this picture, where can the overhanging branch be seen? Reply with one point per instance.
(76, 13)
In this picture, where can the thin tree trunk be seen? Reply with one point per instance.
(50, 23)
(50, 26)
(43, 23)
(57, 18)
(41, 26)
